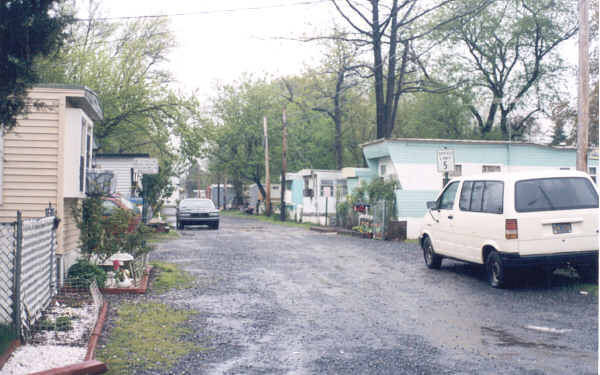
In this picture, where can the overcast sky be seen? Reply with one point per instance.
(231, 39)
(222, 45)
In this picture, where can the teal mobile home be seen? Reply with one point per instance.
(413, 163)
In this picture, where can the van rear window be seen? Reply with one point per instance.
(560, 193)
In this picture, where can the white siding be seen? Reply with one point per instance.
(122, 170)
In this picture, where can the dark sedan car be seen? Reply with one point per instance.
(197, 212)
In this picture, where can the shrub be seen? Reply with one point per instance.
(64, 323)
(102, 236)
(82, 273)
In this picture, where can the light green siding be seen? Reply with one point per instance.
(411, 203)
(297, 188)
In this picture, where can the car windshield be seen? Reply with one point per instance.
(191, 204)
(548, 194)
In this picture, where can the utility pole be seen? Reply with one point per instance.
(583, 117)
(225, 194)
(267, 171)
(283, 165)
(218, 190)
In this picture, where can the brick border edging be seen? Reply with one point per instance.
(82, 368)
(96, 333)
(6, 355)
(140, 290)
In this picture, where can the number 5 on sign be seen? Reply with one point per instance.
(445, 161)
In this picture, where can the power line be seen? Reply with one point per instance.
(204, 12)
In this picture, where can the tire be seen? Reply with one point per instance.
(496, 271)
(215, 225)
(432, 260)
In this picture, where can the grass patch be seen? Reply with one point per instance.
(269, 219)
(7, 336)
(156, 237)
(146, 337)
(170, 276)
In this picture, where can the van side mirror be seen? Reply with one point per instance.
(432, 205)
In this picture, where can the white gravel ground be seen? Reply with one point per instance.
(29, 358)
(45, 354)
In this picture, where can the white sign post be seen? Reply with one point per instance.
(445, 163)
(146, 165)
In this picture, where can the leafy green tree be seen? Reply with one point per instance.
(238, 140)
(124, 63)
(331, 84)
(427, 115)
(508, 55)
(28, 29)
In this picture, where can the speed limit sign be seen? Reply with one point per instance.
(445, 161)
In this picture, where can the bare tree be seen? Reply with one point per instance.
(390, 31)
(340, 69)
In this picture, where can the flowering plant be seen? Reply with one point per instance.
(119, 275)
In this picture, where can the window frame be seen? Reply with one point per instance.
(483, 166)
(593, 175)
(439, 201)
(453, 174)
(485, 182)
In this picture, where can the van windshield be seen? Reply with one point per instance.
(560, 193)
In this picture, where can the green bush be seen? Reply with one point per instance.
(63, 323)
(102, 235)
(82, 273)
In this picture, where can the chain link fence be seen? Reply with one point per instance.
(374, 220)
(7, 264)
(28, 275)
(70, 317)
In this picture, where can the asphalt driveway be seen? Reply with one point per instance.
(282, 300)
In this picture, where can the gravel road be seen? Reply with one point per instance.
(281, 300)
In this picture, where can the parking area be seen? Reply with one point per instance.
(275, 300)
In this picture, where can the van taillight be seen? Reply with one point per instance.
(512, 230)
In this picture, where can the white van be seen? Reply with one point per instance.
(509, 220)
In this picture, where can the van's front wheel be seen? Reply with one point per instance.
(432, 260)
(496, 271)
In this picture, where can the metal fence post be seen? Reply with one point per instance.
(50, 212)
(17, 275)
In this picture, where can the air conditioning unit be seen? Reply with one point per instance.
(308, 192)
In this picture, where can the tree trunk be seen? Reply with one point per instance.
(378, 70)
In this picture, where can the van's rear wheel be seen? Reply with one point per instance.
(432, 260)
(496, 271)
